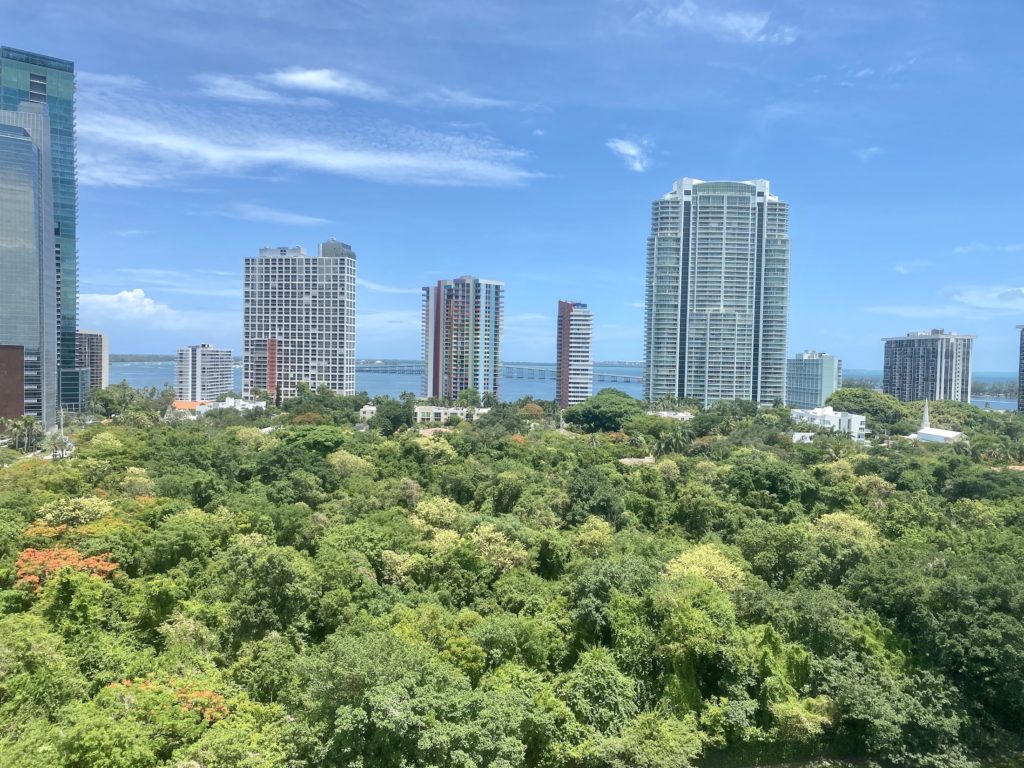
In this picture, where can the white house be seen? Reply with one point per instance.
(437, 414)
(852, 424)
(232, 403)
(367, 412)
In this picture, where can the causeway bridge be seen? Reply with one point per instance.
(537, 373)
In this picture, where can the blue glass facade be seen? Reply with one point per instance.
(28, 292)
(35, 79)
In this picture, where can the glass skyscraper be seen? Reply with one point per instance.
(717, 295)
(36, 79)
(28, 279)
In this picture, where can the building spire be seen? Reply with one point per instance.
(925, 422)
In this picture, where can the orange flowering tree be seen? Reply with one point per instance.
(35, 566)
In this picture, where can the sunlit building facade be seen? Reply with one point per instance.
(574, 369)
(202, 372)
(811, 377)
(928, 365)
(462, 323)
(299, 320)
(717, 293)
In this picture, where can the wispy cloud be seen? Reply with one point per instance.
(381, 288)
(101, 82)
(464, 99)
(971, 303)
(732, 26)
(914, 265)
(636, 154)
(765, 117)
(866, 72)
(234, 88)
(330, 81)
(1000, 298)
(126, 140)
(987, 248)
(254, 212)
(866, 153)
(192, 283)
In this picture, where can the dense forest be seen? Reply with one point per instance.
(279, 589)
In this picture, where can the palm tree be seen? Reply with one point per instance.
(30, 432)
(672, 442)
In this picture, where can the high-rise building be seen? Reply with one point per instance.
(462, 321)
(1020, 371)
(202, 372)
(928, 365)
(717, 293)
(94, 353)
(31, 78)
(28, 269)
(811, 377)
(574, 370)
(300, 320)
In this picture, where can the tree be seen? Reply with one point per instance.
(604, 412)
(392, 415)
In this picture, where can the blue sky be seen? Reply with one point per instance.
(524, 141)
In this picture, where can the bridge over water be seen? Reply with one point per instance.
(538, 372)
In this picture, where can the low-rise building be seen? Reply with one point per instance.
(367, 412)
(677, 415)
(811, 377)
(232, 403)
(184, 409)
(438, 414)
(851, 424)
(929, 434)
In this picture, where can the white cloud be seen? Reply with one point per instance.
(733, 26)
(329, 81)
(381, 288)
(538, 132)
(634, 154)
(253, 212)
(637, 304)
(866, 153)
(232, 88)
(135, 307)
(866, 72)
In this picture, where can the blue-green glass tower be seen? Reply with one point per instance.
(34, 78)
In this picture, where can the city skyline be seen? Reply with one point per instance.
(550, 160)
